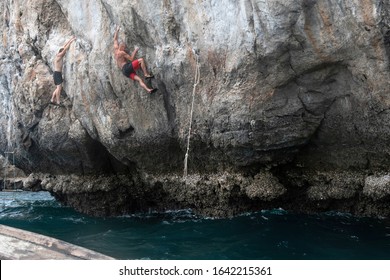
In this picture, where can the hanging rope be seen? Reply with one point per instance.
(196, 81)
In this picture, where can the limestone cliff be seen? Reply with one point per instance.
(292, 108)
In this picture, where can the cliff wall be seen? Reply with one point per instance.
(292, 108)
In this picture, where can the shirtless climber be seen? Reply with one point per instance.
(58, 62)
(128, 65)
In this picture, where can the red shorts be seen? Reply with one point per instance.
(135, 64)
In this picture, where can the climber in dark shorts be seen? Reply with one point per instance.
(129, 65)
(57, 76)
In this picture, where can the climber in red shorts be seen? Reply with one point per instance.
(128, 65)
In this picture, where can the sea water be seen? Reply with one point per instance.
(271, 234)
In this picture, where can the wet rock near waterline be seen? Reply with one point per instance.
(213, 195)
(377, 187)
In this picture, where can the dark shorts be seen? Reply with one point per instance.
(129, 69)
(57, 76)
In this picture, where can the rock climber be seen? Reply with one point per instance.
(129, 65)
(57, 76)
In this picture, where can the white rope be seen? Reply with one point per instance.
(196, 81)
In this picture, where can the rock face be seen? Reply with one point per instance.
(11, 177)
(292, 109)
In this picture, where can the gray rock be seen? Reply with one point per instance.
(377, 187)
(295, 83)
(32, 182)
(265, 187)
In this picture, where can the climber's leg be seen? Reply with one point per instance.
(57, 77)
(142, 84)
(53, 95)
(58, 93)
(141, 62)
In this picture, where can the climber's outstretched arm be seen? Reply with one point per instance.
(125, 55)
(116, 44)
(65, 48)
(67, 44)
(133, 54)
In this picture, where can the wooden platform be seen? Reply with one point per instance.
(17, 244)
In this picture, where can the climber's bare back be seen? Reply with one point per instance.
(121, 58)
(58, 62)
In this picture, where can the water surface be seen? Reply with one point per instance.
(273, 234)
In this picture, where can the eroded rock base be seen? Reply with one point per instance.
(222, 195)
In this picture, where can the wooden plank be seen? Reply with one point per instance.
(17, 244)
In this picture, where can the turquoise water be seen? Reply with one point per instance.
(274, 234)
